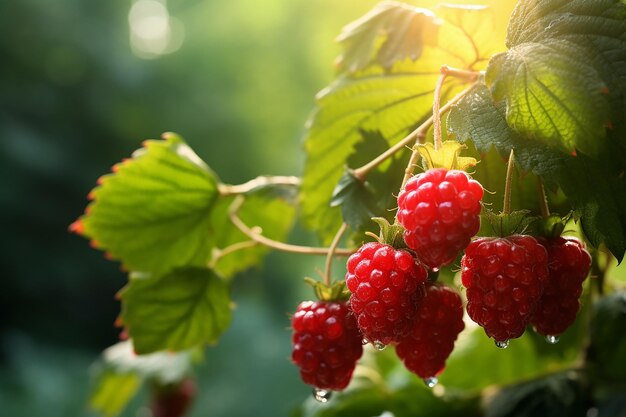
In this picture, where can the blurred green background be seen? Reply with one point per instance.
(82, 83)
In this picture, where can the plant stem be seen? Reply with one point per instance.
(257, 182)
(274, 244)
(331, 252)
(436, 103)
(362, 172)
(506, 208)
(220, 253)
(543, 199)
(408, 172)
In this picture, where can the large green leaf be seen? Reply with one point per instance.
(552, 93)
(594, 187)
(597, 26)
(580, 35)
(390, 101)
(182, 309)
(153, 212)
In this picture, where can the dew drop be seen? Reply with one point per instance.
(322, 395)
(431, 382)
(364, 341)
(552, 339)
(435, 270)
(378, 345)
(502, 344)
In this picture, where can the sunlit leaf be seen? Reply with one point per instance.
(594, 187)
(391, 101)
(552, 93)
(183, 309)
(404, 30)
(153, 212)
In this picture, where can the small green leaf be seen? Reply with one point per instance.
(357, 200)
(507, 224)
(448, 156)
(112, 392)
(153, 212)
(182, 309)
(552, 94)
(404, 28)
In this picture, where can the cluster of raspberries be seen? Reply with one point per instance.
(511, 282)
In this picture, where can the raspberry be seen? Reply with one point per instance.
(173, 400)
(326, 343)
(568, 266)
(438, 322)
(385, 285)
(440, 211)
(505, 278)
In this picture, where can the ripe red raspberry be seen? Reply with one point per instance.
(440, 211)
(385, 285)
(173, 400)
(438, 322)
(505, 278)
(326, 343)
(568, 266)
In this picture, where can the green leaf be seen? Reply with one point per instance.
(595, 188)
(599, 27)
(555, 395)
(391, 101)
(182, 309)
(113, 391)
(552, 93)
(404, 28)
(153, 212)
(478, 118)
(465, 369)
(608, 345)
(358, 201)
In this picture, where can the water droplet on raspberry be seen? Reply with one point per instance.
(502, 344)
(322, 395)
(378, 345)
(435, 270)
(552, 339)
(431, 382)
(364, 341)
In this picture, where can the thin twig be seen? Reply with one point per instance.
(543, 199)
(257, 182)
(331, 252)
(436, 104)
(506, 208)
(274, 244)
(408, 172)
